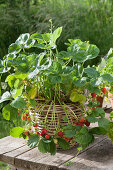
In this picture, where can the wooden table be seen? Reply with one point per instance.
(98, 156)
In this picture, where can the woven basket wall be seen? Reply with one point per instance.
(73, 112)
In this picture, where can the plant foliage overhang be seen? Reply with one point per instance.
(38, 72)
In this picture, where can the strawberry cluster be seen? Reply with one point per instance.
(104, 90)
(25, 117)
(43, 133)
(81, 122)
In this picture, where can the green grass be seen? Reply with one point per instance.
(89, 20)
(4, 131)
(4, 166)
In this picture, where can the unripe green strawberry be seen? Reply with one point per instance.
(55, 141)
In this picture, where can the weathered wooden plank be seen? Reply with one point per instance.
(99, 157)
(33, 159)
(23, 160)
(9, 143)
(10, 156)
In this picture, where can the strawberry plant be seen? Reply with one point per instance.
(41, 82)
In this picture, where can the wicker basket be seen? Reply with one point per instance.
(53, 117)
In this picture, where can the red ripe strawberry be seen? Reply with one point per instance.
(18, 113)
(27, 133)
(37, 133)
(87, 123)
(47, 136)
(35, 125)
(28, 118)
(104, 90)
(67, 139)
(93, 95)
(80, 124)
(23, 117)
(75, 123)
(60, 133)
(43, 132)
(82, 120)
(27, 114)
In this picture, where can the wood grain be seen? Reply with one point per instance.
(99, 157)
(33, 159)
(9, 143)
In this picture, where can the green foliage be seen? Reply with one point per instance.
(98, 112)
(33, 141)
(9, 112)
(69, 131)
(103, 122)
(76, 97)
(110, 132)
(91, 72)
(83, 137)
(98, 131)
(111, 115)
(39, 77)
(32, 102)
(84, 17)
(92, 119)
(5, 127)
(4, 166)
(63, 144)
(18, 103)
(17, 132)
(6, 96)
(43, 147)
(52, 148)
(108, 77)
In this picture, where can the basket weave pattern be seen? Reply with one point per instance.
(54, 118)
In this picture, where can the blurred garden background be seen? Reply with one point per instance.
(88, 20)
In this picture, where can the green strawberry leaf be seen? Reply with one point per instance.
(43, 147)
(63, 144)
(32, 102)
(9, 112)
(83, 137)
(103, 122)
(98, 131)
(98, 112)
(69, 131)
(52, 148)
(33, 141)
(5, 97)
(16, 132)
(18, 103)
(92, 119)
(6, 115)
